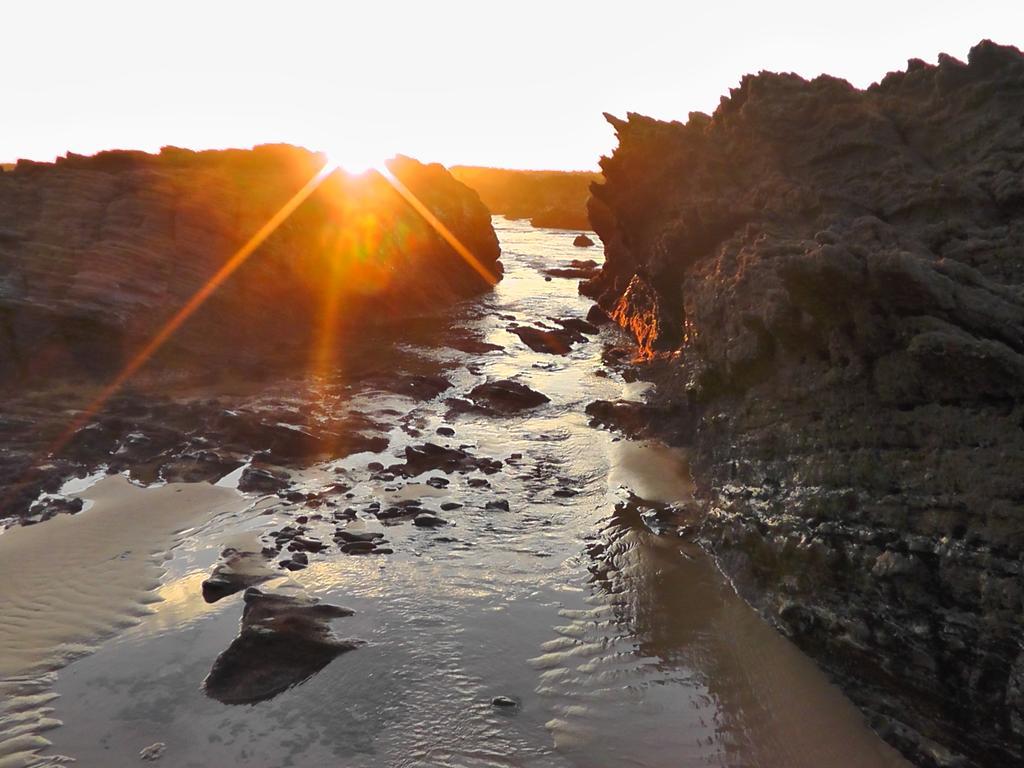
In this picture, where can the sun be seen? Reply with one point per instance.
(355, 159)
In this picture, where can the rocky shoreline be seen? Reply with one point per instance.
(826, 284)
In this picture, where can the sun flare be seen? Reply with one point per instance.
(356, 160)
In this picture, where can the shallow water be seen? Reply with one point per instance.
(621, 648)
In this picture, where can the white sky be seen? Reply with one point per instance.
(517, 84)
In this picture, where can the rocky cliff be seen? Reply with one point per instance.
(828, 284)
(556, 199)
(97, 253)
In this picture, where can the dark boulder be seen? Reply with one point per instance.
(506, 396)
(551, 342)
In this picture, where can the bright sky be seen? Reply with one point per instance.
(517, 84)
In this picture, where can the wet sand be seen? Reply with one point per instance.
(67, 584)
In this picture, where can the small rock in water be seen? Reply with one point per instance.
(506, 396)
(361, 536)
(450, 505)
(582, 241)
(504, 702)
(551, 342)
(578, 325)
(446, 431)
(501, 504)
(302, 544)
(262, 480)
(427, 520)
(236, 571)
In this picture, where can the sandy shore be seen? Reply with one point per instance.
(69, 583)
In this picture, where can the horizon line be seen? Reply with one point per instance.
(225, 148)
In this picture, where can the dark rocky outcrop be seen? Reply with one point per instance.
(506, 396)
(556, 199)
(839, 277)
(582, 241)
(97, 253)
(283, 641)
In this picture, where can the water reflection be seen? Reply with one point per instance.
(668, 647)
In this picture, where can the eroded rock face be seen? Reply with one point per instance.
(842, 275)
(97, 253)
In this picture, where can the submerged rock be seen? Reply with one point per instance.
(841, 273)
(283, 641)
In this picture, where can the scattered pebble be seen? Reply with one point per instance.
(153, 751)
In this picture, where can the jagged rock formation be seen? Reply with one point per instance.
(96, 253)
(839, 276)
(556, 199)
